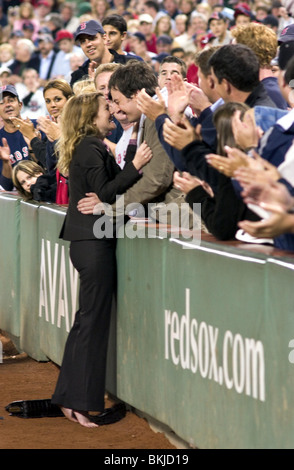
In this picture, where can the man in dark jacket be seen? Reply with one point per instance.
(90, 35)
(235, 72)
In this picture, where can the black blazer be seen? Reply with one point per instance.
(93, 169)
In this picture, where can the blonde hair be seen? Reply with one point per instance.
(133, 25)
(85, 17)
(157, 26)
(77, 122)
(260, 38)
(29, 6)
(7, 47)
(84, 86)
(109, 67)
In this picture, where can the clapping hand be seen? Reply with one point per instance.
(178, 136)
(26, 127)
(185, 182)
(150, 107)
(50, 128)
(5, 151)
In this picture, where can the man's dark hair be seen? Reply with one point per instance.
(116, 21)
(132, 77)
(152, 4)
(171, 59)
(237, 64)
(177, 49)
(202, 59)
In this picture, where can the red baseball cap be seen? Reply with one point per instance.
(63, 34)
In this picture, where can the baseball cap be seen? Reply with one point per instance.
(91, 27)
(63, 34)
(45, 38)
(8, 89)
(145, 18)
(28, 25)
(286, 52)
(287, 34)
(271, 20)
(206, 39)
(83, 8)
(216, 16)
(242, 9)
(164, 39)
(161, 56)
(43, 2)
(4, 69)
(139, 35)
(16, 34)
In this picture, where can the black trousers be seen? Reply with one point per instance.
(81, 382)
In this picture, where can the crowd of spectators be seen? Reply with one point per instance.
(222, 112)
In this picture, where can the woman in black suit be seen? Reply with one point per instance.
(84, 158)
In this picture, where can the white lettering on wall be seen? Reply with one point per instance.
(58, 285)
(235, 362)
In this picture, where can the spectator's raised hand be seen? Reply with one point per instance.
(5, 151)
(277, 224)
(228, 165)
(178, 135)
(150, 107)
(50, 128)
(26, 127)
(185, 182)
(258, 170)
(5, 157)
(178, 97)
(198, 100)
(272, 196)
(91, 69)
(246, 133)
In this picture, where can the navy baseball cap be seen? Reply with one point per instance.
(28, 25)
(164, 39)
(287, 34)
(90, 27)
(286, 52)
(8, 89)
(139, 36)
(159, 58)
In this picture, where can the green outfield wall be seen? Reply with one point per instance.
(202, 339)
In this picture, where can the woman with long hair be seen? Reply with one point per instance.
(27, 15)
(84, 158)
(56, 94)
(164, 26)
(31, 182)
(24, 175)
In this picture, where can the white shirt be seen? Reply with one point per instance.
(44, 65)
(121, 147)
